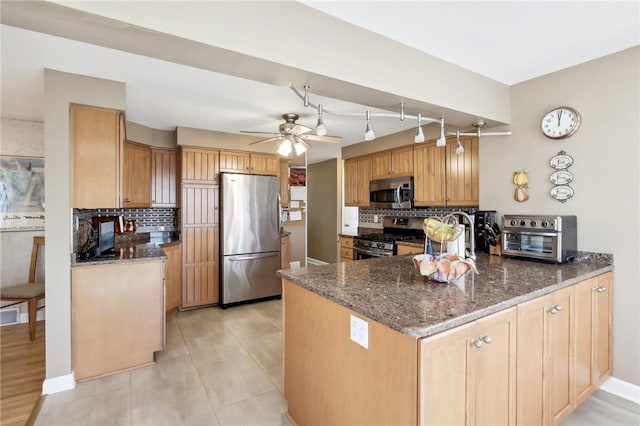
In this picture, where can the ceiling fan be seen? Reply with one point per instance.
(293, 135)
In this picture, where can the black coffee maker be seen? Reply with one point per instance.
(483, 219)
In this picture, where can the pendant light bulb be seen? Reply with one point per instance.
(442, 140)
(419, 133)
(459, 147)
(369, 134)
(321, 128)
(285, 148)
(299, 147)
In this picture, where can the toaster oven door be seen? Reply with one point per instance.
(537, 245)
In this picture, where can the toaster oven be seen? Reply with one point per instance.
(546, 238)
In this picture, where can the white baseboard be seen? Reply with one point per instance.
(312, 261)
(622, 389)
(58, 384)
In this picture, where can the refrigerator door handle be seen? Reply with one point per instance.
(279, 212)
(252, 257)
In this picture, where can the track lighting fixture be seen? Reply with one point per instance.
(419, 134)
(321, 128)
(285, 147)
(369, 134)
(459, 147)
(442, 140)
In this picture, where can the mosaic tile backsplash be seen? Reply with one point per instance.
(147, 220)
(366, 215)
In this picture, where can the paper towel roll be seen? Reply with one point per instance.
(458, 245)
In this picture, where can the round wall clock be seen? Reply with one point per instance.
(560, 123)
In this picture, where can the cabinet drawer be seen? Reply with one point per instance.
(346, 242)
(346, 252)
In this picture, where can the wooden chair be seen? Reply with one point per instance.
(30, 292)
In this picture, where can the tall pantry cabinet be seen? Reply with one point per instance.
(199, 173)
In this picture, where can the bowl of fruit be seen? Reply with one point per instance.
(443, 268)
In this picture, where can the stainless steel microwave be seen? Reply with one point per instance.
(392, 193)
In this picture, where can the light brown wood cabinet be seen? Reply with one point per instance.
(357, 176)
(564, 350)
(444, 178)
(593, 299)
(284, 183)
(463, 184)
(117, 317)
(136, 175)
(285, 252)
(402, 250)
(393, 163)
(467, 375)
(173, 276)
(249, 162)
(97, 136)
(200, 246)
(164, 175)
(346, 249)
(199, 165)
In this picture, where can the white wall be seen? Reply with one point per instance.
(60, 90)
(606, 158)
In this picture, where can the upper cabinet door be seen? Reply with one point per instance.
(429, 175)
(163, 177)
(402, 162)
(351, 182)
(136, 175)
(199, 165)
(235, 162)
(381, 165)
(364, 178)
(96, 138)
(463, 187)
(264, 164)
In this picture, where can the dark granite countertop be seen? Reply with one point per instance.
(392, 292)
(416, 242)
(133, 252)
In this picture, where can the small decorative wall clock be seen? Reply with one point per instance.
(560, 123)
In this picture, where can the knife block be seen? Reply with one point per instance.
(497, 249)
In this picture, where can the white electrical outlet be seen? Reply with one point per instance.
(375, 218)
(360, 331)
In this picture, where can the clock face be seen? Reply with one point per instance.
(560, 123)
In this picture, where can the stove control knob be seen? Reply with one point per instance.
(514, 222)
(544, 224)
(523, 223)
(380, 245)
(533, 223)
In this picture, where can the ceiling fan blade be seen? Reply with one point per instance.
(331, 139)
(260, 133)
(299, 129)
(266, 140)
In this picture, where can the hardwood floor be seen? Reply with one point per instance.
(22, 371)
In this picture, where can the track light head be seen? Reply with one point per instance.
(321, 128)
(442, 140)
(459, 147)
(419, 133)
(369, 134)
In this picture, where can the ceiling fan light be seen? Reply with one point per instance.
(285, 148)
(299, 147)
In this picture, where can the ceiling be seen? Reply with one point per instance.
(507, 41)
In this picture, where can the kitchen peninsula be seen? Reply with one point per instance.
(374, 342)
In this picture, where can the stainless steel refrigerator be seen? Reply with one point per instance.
(249, 237)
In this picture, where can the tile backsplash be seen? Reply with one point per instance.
(366, 215)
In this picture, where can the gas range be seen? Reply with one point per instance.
(394, 229)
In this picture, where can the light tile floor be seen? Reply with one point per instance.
(220, 367)
(224, 367)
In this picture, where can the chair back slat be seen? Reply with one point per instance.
(37, 242)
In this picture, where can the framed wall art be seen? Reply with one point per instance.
(21, 193)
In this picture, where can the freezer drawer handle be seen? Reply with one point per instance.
(264, 256)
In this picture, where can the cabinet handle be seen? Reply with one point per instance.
(477, 343)
(348, 253)
(127, 200)
(600, 289)
(555, 309)
(486, 339)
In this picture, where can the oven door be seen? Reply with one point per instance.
(370, 253)
(537, 245)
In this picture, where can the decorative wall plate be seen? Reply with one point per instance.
(561, 161)
(561, 177)
(561, 193)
